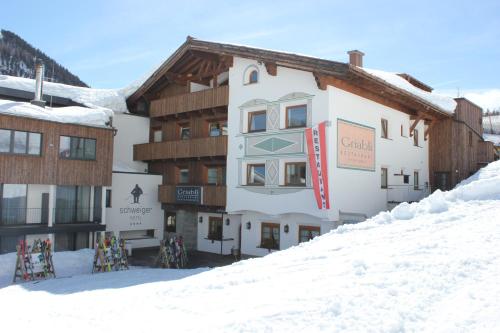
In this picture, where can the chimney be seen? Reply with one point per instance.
(39, 72)
(356, 58)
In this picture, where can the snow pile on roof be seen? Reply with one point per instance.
(431, 266)
(114, 99)
(443, 102)
(69, 114)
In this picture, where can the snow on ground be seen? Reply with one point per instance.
(444, 102)
(431, 266)
(68, 114)
(113, 99)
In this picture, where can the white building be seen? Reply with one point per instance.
(375, 141)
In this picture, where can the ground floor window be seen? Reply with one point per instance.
(9, 243)
(306, 233)
(215, 228)
(270, 236)
(13, 203)
(383, 181)
(415, 180)
(71, 241)
(170, 223)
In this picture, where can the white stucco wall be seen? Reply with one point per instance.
(351, 191)
(357, 191)
(230, 234)
(132, 129)
(125, 215)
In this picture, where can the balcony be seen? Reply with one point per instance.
(210, 195)
(193, 148)
(25, 221)
(200, 100)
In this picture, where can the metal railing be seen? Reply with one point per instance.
(21, 215)
(406, 192)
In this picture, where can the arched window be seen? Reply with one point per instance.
(253, 76)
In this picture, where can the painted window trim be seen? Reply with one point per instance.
(287, 108)
(252, 113)
(249, 165)
(286, 175)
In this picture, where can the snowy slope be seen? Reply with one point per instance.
(431, 266)
(95, 116)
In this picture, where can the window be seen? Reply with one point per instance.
(20, 142)
(470, 139)
(97, 204)
(212, 178)
(253, 77)
(295, 174)
(215, 228)
(270, 236)
(306, 233)
(185, 132)
(406, 179)
(296, 116)
(108, 198)
(256, 174)
(13, 203)
(72, 204)
(384, 178)
(75, 148)
(170, 224)
(257, 121)
(385, 128)
(415, 138)
(415, 180)
(217, 128)
(157, 135)
(183, 175)
(402, 131)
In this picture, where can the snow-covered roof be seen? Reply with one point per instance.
(113, 99)
(443, 102)
(70, 114)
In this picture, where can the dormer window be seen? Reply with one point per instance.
(253, 77)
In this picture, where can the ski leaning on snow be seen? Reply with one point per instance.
(34, 262)
(110, 255)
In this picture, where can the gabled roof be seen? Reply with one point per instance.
(321, 68)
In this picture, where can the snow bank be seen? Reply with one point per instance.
(68, 114)
(443, 102)
(114, 99)
(67, 264)
(431, 266)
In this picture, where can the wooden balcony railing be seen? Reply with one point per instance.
(193, 148)
(200, 100)
(212, 195)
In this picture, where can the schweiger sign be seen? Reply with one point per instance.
(355, 146)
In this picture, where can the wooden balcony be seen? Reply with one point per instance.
(213, 195)
(200, 100)
(192, 148)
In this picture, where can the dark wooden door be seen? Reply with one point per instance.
(45, 208)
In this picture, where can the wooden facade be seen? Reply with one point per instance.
(456, 146)
(49, 168)
(201, 100)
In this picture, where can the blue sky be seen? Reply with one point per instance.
(108, 44)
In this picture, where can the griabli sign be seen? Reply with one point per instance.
(355, 146)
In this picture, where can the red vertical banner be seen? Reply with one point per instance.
(316, 147)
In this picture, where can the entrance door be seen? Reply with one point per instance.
(45, 209)
(442, 181)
